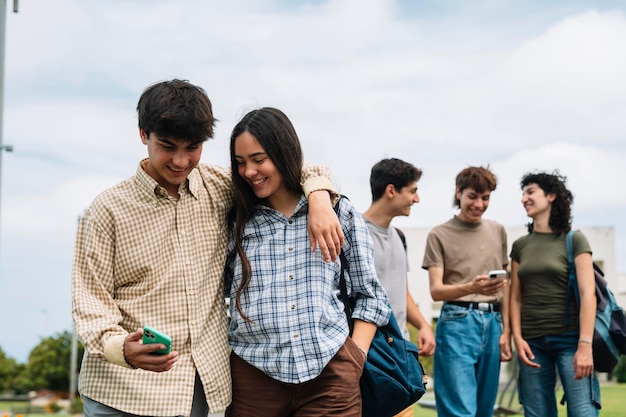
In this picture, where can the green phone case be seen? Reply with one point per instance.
(151, 335)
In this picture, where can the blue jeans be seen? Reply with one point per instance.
(537, 385)
(467, 361)
(199, 407)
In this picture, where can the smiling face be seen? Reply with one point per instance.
(472, 204)
(257, 169)
(170, 161)
(536, 201)
(405, 198)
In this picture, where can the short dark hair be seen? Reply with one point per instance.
(481, 179)
(392, 171)
(176, 109)
(561, 208)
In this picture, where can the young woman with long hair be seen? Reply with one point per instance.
(292, 354)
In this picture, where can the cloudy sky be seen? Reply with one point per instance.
(518, 85)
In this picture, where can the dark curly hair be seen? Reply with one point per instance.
(561, 212)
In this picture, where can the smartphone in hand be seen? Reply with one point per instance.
(151, 335)
(497, 273)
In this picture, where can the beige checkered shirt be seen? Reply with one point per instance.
(144, 258)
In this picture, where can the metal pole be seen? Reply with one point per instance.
(3, 21)
(73, 358)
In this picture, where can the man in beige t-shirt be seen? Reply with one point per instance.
(473, 333)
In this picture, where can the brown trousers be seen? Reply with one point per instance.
(335, 392)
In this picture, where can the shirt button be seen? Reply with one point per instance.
(192, 322)
(293, 306)
(295, 336)
(290, 277)
(290, 221)
(290, 249)
(192, 292)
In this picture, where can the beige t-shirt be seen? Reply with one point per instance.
(465, 250)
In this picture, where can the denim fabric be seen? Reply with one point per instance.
(92, 408)
(537, 385)
(200, 408)
(467, 362)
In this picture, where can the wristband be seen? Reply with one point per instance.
(584, 341)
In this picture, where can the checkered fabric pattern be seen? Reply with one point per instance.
(297, 320)
(144, 258)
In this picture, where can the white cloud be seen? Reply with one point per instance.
(589, 169)
(443, 89)
(55, 210)
(566, 84)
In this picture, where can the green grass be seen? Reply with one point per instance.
(613, 397)
(6, 408)
(7, 405)
(35, 414)
(613, 402)
(63, 414)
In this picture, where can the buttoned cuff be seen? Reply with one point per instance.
(320, 183)
(114, 351)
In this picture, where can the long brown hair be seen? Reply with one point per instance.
(275, 133)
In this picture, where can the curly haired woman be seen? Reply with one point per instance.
(548, 340)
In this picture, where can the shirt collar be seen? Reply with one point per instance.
(470, 225)
(150, 186)
(301, 207)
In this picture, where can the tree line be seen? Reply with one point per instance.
(48, 367)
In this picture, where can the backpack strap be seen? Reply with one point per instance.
(402, 237)
(343, 288)
(572, 283)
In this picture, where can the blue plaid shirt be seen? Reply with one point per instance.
(298, 323)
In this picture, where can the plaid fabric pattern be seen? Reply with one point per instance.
(298, 323)
(141, 258)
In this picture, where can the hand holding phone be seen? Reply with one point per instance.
(496, 273)
(152, 335)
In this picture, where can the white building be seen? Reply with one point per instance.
(601, 239)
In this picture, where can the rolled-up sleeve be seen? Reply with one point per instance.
(371, 303)
(316, 178)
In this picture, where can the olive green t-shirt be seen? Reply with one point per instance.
(543, 278)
